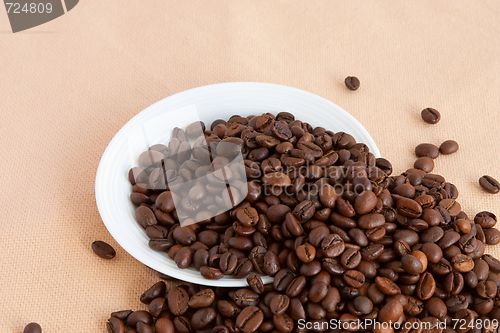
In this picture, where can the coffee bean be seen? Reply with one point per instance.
(426, 286)
(201, 299)
(448, 147)
(249, 319)
(486, 289)
(427, 149)
(391, 311)
(178, 300)
(306, 252)
(424, 163)
(103, 250)
(279, 304)
(436, 307)
(492, 236)
(489, 184)
(283, 322)
(157, 290)
(411, 264)
(350, 258)
(409, 208)
(164, 325)
(202, 317)
(211, 273)
(182, 324)
(387, 286)
(430, 115)
(139, 316)
(352, 82)
(36, 328)
(485, 219)
(354, 278)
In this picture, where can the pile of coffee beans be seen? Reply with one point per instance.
(343, 238)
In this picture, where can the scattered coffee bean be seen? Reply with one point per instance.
(430, 115)
(352, 82)
(424, 163)
(103, 250)
(448, 147)
(489, 184)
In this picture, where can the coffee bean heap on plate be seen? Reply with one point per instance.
(322, 211)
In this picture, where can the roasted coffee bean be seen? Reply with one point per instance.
(449, 238)
(492, 236)
(139, 316)
(453, 283)
(486, 289)
(283, 322)
(211, 273)
(485, 219)
(255, 283)
(202, 317)
(157, 306)
(122, 315)
(411, 264)
(409, 208)
(432, 251)
(427, 149)
(354, 278)
(156, 290)
(178, 300)
(462, 263)
(184, 257)
(103, 250)
(365, 202)
(36, 328)
(279, 304)
(436, 307)
(311, 268)
(391, 311)
(448, 147)
(352, 82)
(249, 319)
(387, 286)
(489, 184)
(201, 299)
(430, 115)
(426, 286)
(350, 258)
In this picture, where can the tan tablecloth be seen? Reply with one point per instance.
(66, 88)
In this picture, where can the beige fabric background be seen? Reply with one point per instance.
(68, 86)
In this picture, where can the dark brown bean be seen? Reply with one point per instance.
(103, 250)
(448, 147)
(489, 184)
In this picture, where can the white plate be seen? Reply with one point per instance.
(154, 125)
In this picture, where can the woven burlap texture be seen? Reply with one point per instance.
(67, 87)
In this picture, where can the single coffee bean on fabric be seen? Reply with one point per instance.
(489, 184)
(103, 250)
(448, 147)
(430, 115)
(352, 82)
